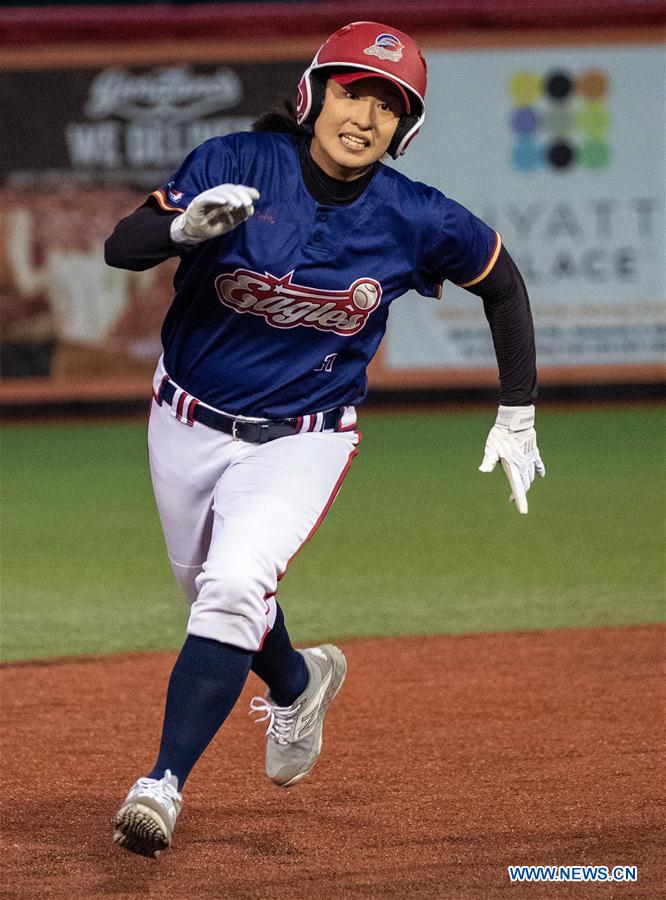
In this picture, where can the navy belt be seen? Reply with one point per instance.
(242, 430)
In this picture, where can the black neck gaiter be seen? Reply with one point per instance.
(326, 190)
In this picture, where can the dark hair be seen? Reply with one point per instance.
(282, 118)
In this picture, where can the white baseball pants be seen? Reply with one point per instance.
(234, 514)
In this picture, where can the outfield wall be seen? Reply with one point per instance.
(554, 135)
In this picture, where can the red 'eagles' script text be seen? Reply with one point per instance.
(285, 305)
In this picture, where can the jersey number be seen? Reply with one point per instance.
(327, 364)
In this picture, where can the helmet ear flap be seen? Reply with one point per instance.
(312, 84)
(403, 135)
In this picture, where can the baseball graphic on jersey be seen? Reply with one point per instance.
(366, 295)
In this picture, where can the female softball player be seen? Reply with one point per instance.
(294, 239)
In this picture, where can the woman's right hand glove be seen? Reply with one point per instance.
(213, 212)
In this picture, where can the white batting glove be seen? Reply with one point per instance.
(213, 212)
(512, 441)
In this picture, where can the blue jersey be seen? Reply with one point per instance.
(281, 316)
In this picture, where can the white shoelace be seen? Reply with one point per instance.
(280, 718)
(161, 789)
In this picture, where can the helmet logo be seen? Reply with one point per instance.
(386, 46)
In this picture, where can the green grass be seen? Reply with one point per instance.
(417, 542)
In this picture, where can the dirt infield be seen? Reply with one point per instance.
(445, 760)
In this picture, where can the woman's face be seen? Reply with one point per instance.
(355, 126)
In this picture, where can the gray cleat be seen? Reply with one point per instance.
(295, 732)
(145, 821)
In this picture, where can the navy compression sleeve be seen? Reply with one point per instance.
(141, 240)
(507, 308)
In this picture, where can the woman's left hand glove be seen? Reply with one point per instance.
(512, 441)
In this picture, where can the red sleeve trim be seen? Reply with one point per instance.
(489, 265)
(161, 199)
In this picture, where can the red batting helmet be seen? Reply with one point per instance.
(378, 50)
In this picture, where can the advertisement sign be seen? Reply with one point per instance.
(70, 170)
(129, 125)
(563, 151)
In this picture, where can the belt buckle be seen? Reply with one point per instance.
(234, 432)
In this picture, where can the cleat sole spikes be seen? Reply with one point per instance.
(140, 831)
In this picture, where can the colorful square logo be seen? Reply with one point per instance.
(559, 120)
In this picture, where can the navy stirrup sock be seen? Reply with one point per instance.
(205, 683)
(279, 665)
